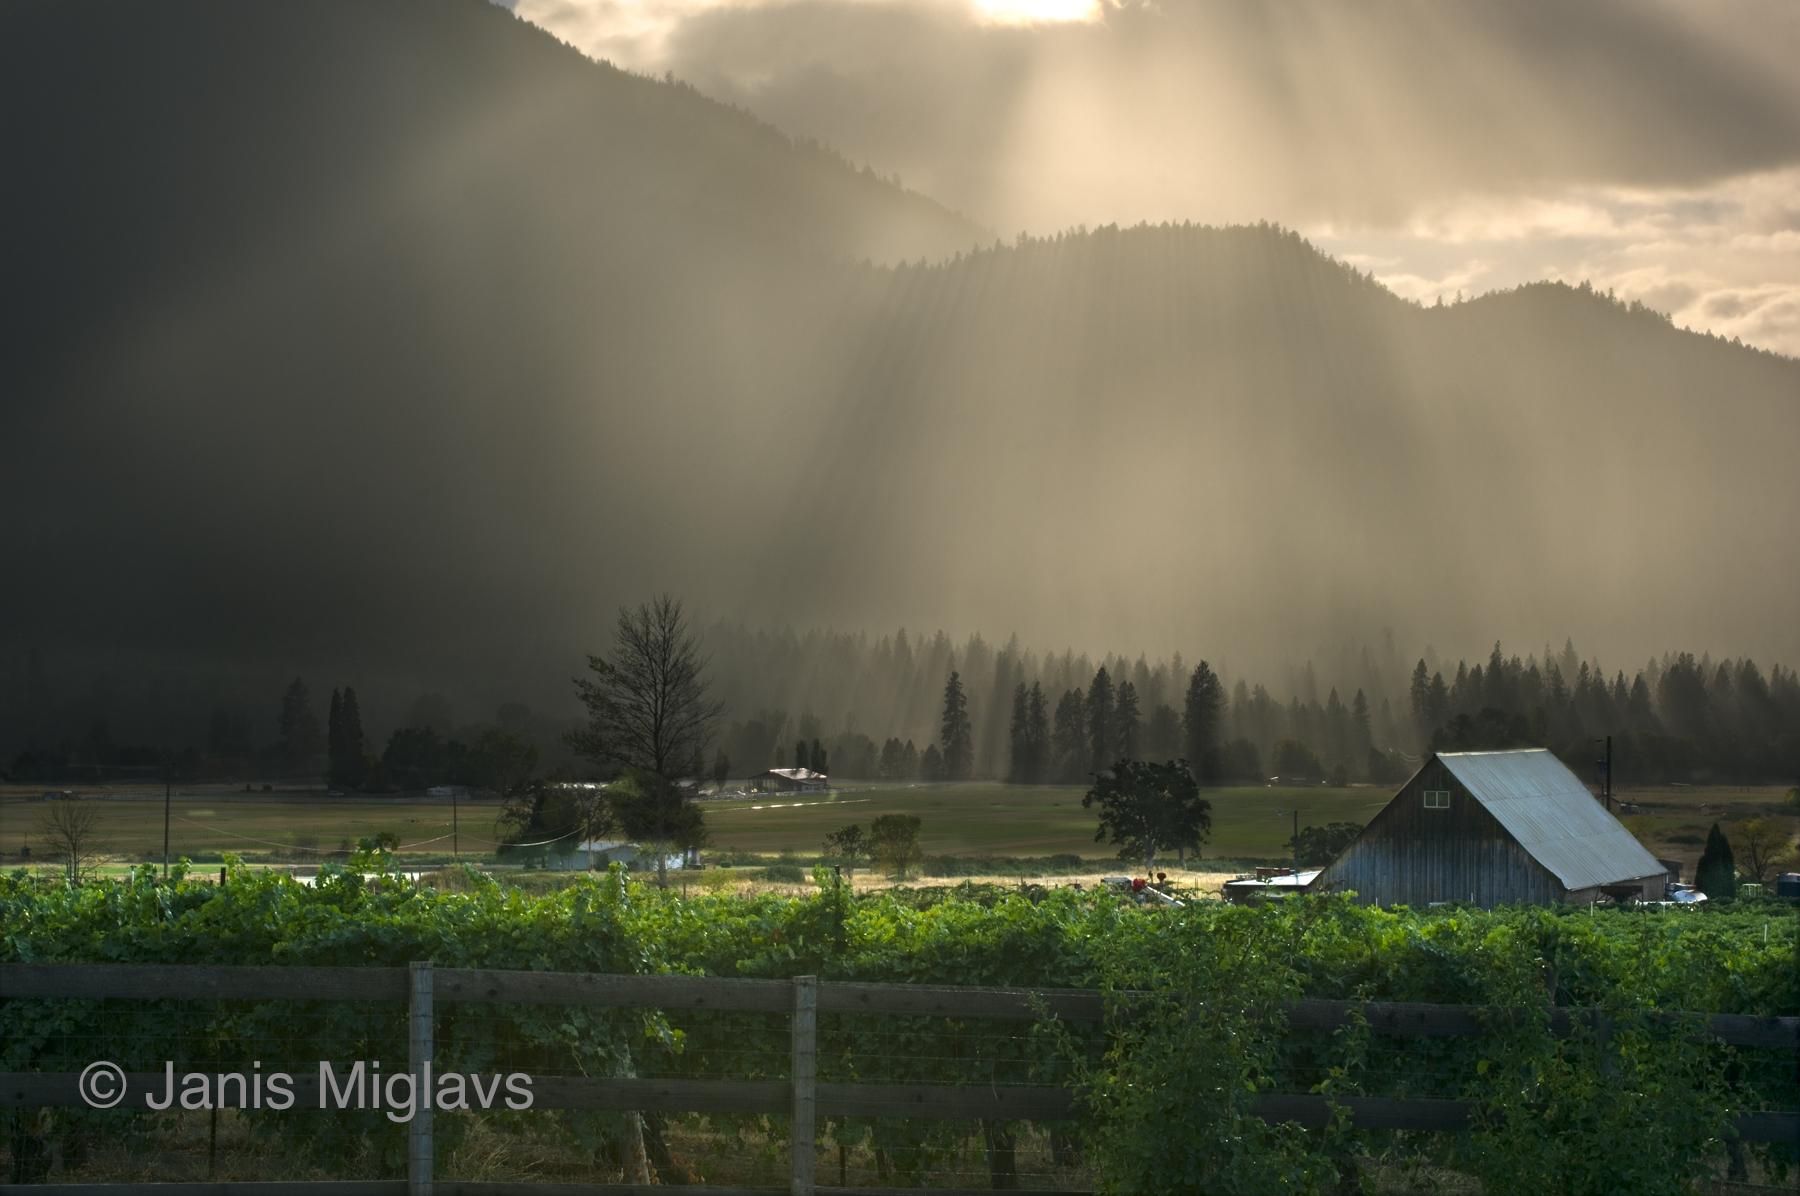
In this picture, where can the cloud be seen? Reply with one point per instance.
(1611, 136)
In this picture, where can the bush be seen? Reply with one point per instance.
(785, 874)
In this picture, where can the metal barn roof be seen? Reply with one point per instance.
(1553, 816)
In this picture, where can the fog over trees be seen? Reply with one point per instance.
(906, 706)
(438, 342)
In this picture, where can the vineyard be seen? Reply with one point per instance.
(1593, 1070)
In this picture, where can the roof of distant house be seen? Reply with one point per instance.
(796, 774)
(1552, 815)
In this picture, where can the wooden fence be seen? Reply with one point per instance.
(801, 1097)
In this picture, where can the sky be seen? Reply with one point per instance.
(1651, 147)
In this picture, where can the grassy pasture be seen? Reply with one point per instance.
(1019, 820)
(958, 819)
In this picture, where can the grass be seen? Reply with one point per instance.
(976, 819)
(1019, 820)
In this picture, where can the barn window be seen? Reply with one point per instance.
(1437, 799)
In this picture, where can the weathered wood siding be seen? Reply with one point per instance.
(1411, 855)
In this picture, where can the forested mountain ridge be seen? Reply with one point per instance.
(397, 343)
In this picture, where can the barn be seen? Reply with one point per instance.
(1494, 828)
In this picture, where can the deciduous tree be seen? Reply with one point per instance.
(649, 712)
(849, 845)
(71, 830)
(1147, 807)
(1762, 847)
(894, 841)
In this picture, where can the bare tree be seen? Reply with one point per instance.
(648, 711)
(72, 829)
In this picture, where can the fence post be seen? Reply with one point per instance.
(419, 1043)
(805, 1073)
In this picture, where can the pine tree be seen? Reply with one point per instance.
(958, 732)
(1103, 732)
(1362, 735)
(931, 764)
(1070, 738)
(298, 725)
(1200, 719)
(819, 763)
(802, 758)
(1018, 758)
(1037, 736)
(1716, 874)
(1126, 717)
(334, 726)
(349, 763)
(1437, 704)
(1421, 701)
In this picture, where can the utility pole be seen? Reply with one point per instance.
(1609, 799)
(168, 788)
(455, 853)
(1296, 849)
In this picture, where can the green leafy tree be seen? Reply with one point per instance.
(1239, 760)
(1292, 758)
(1761, 848)
(1319, 845)
(1146, 808)
(1204, 707)
(894, 841)
(958, 732)
(501, 761)
(649, 712)
(1716, 874)
(849, 845)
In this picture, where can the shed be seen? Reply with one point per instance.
(1494, 828)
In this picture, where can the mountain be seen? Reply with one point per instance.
(396, 342)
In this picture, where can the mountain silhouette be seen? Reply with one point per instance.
(397, 337)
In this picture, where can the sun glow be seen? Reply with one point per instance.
(1029, 12)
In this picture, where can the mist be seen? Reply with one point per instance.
(1466, 146)
(439, 341)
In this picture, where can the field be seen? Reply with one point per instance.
(957, 819)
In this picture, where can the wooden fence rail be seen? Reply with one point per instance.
(801, 1096)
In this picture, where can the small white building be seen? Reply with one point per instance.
(791, 780)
